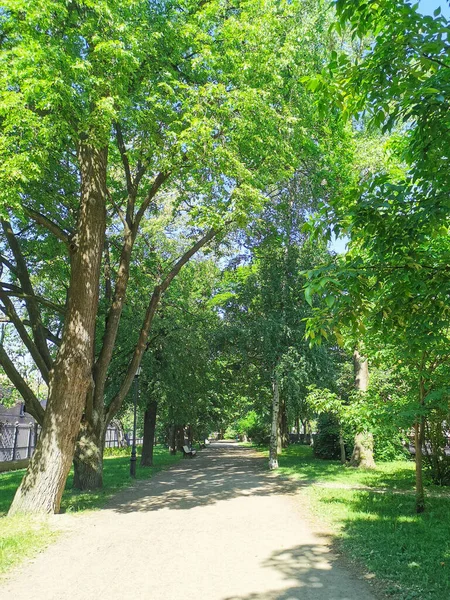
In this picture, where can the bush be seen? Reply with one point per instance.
(230, 433)
(389, 446)
(326, 441)
(436, 461)
(251, 426)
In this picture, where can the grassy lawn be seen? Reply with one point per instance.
(409, 554)
(21, 537)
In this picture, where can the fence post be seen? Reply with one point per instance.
(16, 435)
(30, 429)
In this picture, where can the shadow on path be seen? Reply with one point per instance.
(309, 570)
(221, 472)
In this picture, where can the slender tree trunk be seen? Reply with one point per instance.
(149, 434)
(284, 428)
(190, 435)
(419, 441)
(42, 487)
(173, 439)
(180, 437)
(362, 455)
(120, 434)
(420, 494)
(280, 429)
(88, 458)
(342, 447)
(274, 437)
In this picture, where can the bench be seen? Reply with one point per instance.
(188, 452)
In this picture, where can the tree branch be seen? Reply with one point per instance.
(141, 345)
(32, 306)
(49, 225)
(157, 183)
(32, 404)
(436, 60)
(17, 292)
(52, 337)
(8, 264)
(9, 311)
(124, 157)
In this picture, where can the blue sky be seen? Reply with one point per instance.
(428, 6)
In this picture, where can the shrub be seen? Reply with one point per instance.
(326, 441)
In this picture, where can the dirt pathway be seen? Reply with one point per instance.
(218, 527)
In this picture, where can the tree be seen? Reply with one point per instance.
(265, 309)
(114, 102)
(387, 286)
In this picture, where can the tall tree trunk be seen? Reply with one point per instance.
(280, 429)
(95, 399)
(180, 437)
(88, 458)
(362, 455)
(149, 434)
(284, 427)
(274, 441)
(190, 435)
(42, 487)
(173, 439)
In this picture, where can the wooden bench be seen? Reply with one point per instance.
(188, 452)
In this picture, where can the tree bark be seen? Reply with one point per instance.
(274, 437)
(190, 433)
(420, 494)
(95, 397)
(419, 440)
(172, 439)
(88, 458)
(284, 427)
(42, 487)
(342, 447)
(149, 434)
(180, 437)
(280, 429)
(362, 455)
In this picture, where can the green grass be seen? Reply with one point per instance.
(21, 537)
(409, 554)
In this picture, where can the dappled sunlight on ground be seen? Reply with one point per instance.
(219, 473)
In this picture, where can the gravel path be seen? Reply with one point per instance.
(218, 527)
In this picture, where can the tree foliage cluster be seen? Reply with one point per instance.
(389, 293)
